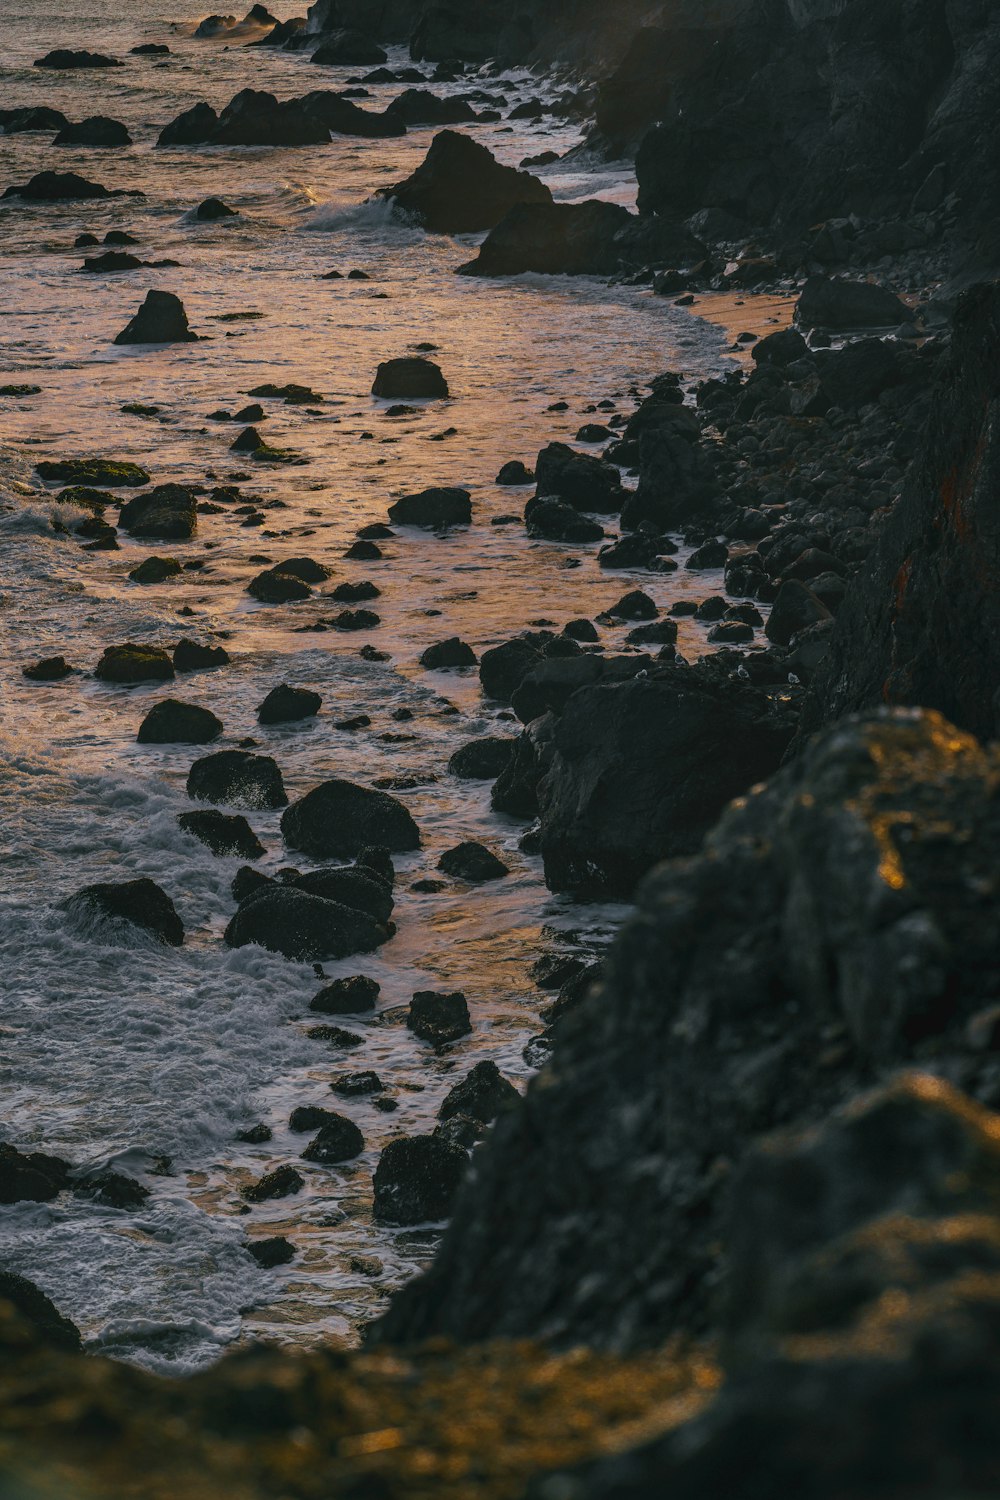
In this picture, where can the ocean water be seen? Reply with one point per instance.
(150, 1059)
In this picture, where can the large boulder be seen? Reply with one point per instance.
(44, 1317)
(822, 939)
(348, 49)
(239, 778)
(337, 819)
(254, 117)
(461, 188)
(289, 921)
(56, 187)
(65, 58)
(433, 510)
(421, 107)
(28, 118)
(826, 302)
(167, 512)
(226, 834)
(107, 907)
(409, 378)
(160, 320)
(417, 1178)
(96, 130)
(171, 722)
(557, 239)
(131, 663)
(641, 770)
(578, 478)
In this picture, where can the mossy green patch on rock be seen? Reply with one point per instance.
(20, 390)
(92, 471)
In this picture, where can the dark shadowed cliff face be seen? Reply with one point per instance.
(921, 622)
(827, 933)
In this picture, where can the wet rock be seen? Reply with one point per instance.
(154, 570)
(659, 633)
(191, 656)
(409, 378)
(49, 669)
(139, 903)
(31, 1176)
(357, 888)
(223, 833)
(86, 472)
(210, 210)
(285, 705)
(39, 117)
(278, 585)
(482, 1095)
(731, 633)
(711, 554)
(481, 760)
(56, 187)
(557, 239)
(337, 1036)
(579, 479)
(97, 130)
(794, 610)
(306, 1117)
(338, 818)
(289, 921)
(421, 107)
(642, 769)
(826, 302)
(166, 512)
(150, 49)
(348, 49)
(283, 1182)
(355, 619)
(160, 320)
(346, 997)
(354, 593)
(272, 1252)
(239, 778)
(781, 349)
(416, 1180)
(473, 862)
(338, 1140)
(64, 58)
(635, 605)
(376, 860)
(171, 722)
(37, 1309)
(439, 1017)
(357, 1085)
(433, 509)
(556, 521)
(131, 663)
(449, 654)
(460, 187)
(191, 128)
(255, 1135)
(515, 473)
(503, 668)
(113, 1190)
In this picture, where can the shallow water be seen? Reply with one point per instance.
(130, 1054)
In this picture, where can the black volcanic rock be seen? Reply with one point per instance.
(556, 239)
(138, 903)
(337, 819)
(579, 479)
(460, 187)
(171, 722)
(38, 117)
(239, 778)
(286, 705)
(191, 128)
(416, 1179)
(56, 187)
(348, 49)
(433, 510)
(166, 512)
(256, 118)
(64, 58)
(421, 107)
(826, 302)
(44, 1317)
(97, 130)
(408, 378)
(160, 320)
(300, 926)
(225, 834)
(210, 210)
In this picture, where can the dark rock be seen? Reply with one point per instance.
(278, 586)
(285, 705)
(31, 1176)
(40, 117)
(711, 554)
(828, 303)
(434, 509)
(357, 1085)
(409, 378)
(45, 1318)
(281, 1183)
(570, 239)
(794, 610)
(354, 593)
(781, 349)
(139, 903)
(473, 862)
(191, 656)
(481, 760)
(515, 473)
(223, 833)
(460, 187)
(338, 1140)
(337, 819)
(131, 663)
(65, 58)
(56, 187)
(611, 808)
(286, 920)
(84, 472)
(239, 778)
(160, 320)
(346, 997)
(635, 605)
(113, 1190)
(358, 888)
(482, 1095)
(150, 49)
(255, 1135)
(212, 209)
(581, 630)
(416, 1180)
(171, 722)
(191, 128)
(98, 130)
(439, 1017)
(272, 1252)
(155, 570)
(348, 49)
(502, 669)
(556, 521)
(49, 669)
(579, 479)
(166, 512)
(445, 655)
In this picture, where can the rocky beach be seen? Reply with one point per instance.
(498, 755)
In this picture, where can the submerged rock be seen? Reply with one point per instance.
(461, 188)
(63, 58)
(283, 1182)
(345, 997)
(56, 187)
(86, 472)
(49, 669)
(138, 903)
(31, 1176)
(192, 656)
